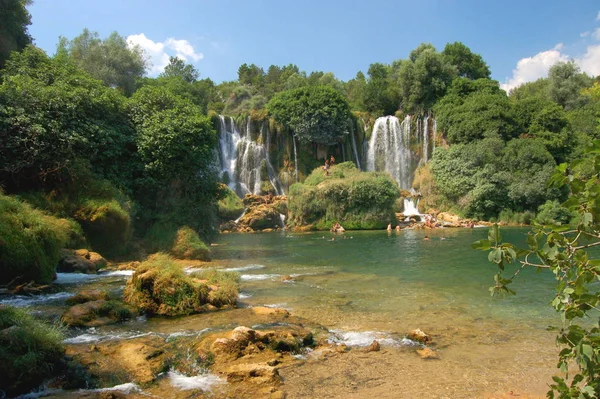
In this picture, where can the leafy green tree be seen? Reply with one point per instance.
(468, 64)
(424, 79)
(550, 124)
(14, 19)
(176, 145)
(566, 83)
(177, 67)
(110, 60)
(250, 75)
(378, 97)
(316, 114)
(481, 113)
(51, 115)
(356, 91)
(567, 251)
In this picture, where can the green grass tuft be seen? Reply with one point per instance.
(30, 351)
(188, 245)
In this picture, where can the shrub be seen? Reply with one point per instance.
(188, 245)
(357, 200)
(30, 241)
(30, 351)
(106, 225)
(159, 286)
(228, 286)
(552, 212)
(230, 205)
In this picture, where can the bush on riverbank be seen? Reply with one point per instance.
(357, 200)
(30, 351)
(182, 243)
(30, 241)
(230, 205)
(159, 286)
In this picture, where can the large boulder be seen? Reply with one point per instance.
(261, 217)
(80, 261)
(84, 296)
(96, 313)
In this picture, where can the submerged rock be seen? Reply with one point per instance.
(374, 347)
(419, 336)
(428, 353)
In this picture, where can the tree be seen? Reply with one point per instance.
(14, 19)
(250, 75)
(316, 114)
(565, 250)
(566, 83)
(176, 145)
(424, 79)
(468, 65)
(178, 67)
(53, 114)
(473, 110)
(110, 60)
(378, 99)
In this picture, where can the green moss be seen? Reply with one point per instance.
(159, 286)
(106, 225)
(30, 241)
(228, 284)
(188, 245)
(357, 200)
(230, 205)
(30, 351)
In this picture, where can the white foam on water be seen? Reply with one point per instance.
(74, 278)
(126, 388)
(126, 273)
(39, 394)
(186, 334)
(255, 277)
(275, 305)
(92, 335)
(361, 338)
(244, 295)
(20, 301)
(205, 382)
(243, 268)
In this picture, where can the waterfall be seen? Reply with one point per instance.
(242, 159)
(353, 141)
(295, 158)
(395, 149)
(389, 150)
(425, 139)
(434, 133)
(411, 208)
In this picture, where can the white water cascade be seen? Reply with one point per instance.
(242, 159)
(395, 148)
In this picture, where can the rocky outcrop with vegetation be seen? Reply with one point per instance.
(357, 200)
(160, 286)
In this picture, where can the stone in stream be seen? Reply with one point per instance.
(96, 313)
(80, 261)
(419, 336)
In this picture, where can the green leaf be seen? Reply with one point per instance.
(495, 255)
(587, 350)
(482, 245)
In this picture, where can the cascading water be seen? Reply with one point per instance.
(242, 159)
(295, 158)
(353, 141)
(395, 149)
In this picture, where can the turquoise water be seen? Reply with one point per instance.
(383, 280)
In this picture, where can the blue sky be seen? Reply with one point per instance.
(518, 39)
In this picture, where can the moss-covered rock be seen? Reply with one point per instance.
(106, 225)
(188, 245)
(355, 199)
(30, 241)
(97, 313)
(159, 286)
(230, 205)
(30, 351)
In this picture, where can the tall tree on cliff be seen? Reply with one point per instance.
(14, 19)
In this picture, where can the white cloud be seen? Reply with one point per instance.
(598, 16)
(596, 34)
(584, 34)
(590, 61)
(533, 68)
(159, 52)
